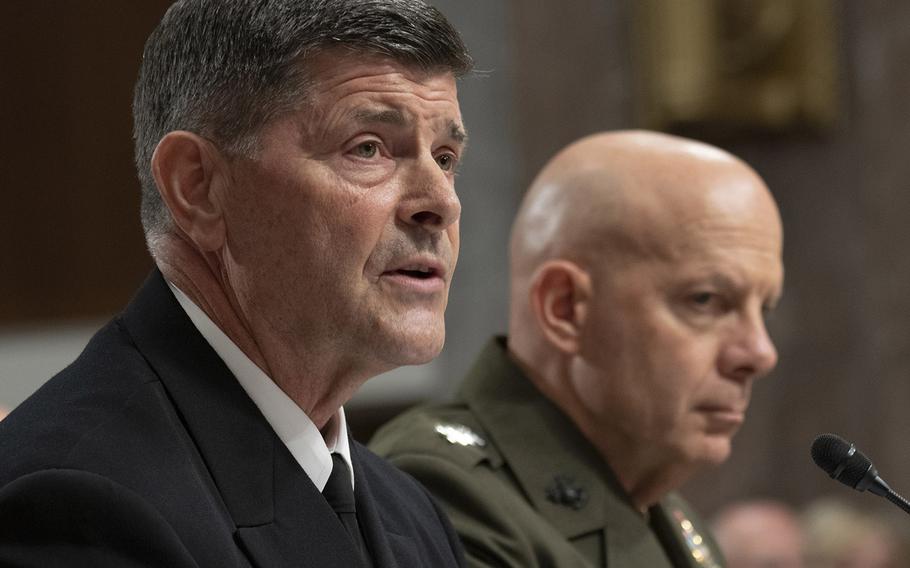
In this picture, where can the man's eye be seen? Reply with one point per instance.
(702, 298)
(366, 149)
(706, 302)
(446, 162)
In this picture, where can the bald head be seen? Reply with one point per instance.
(616, 197)
(618, 185)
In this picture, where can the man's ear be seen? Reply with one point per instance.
(560, 300)
(188, 170)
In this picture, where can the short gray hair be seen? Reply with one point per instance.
(223, 68)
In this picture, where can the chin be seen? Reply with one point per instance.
(415, 344)
(428, 347)
(418, 354)
(715, 450)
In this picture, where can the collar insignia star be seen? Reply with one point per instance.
(459, 434)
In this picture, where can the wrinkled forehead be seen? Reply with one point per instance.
(344, 88)
(337, 73)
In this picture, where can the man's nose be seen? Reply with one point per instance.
(749, 352)
(429, 199)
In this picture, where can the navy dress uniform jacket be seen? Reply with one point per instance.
(146, 451)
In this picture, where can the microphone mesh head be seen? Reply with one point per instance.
(832, 452)
(828, 451)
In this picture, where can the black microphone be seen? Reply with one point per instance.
(843, 462)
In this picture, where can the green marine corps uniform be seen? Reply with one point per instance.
(525, 489)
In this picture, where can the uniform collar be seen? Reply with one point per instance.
(295, 429)
(541, 445)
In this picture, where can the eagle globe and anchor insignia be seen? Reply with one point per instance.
(563, 490)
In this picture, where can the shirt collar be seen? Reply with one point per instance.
(293, 426)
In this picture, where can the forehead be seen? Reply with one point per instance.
(378, 88)
(729, 230)
(731, 213)
(744, 249)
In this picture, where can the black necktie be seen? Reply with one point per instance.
(340, 496)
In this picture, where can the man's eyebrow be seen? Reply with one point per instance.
(397, 118)
(457, 133)
(388, 116)
(728, 282)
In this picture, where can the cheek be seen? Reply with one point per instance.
(676, 378)
(591, 388)
(608, 374)
(366, 174)
(661, 374)
(454, 238)
(695, 362)
(679, 359)
(341, 228)
(613, 387)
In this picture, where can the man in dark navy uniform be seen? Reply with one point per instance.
(297, 161)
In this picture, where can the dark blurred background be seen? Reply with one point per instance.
(815, 94)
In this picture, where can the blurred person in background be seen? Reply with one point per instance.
(839, 535)
(760, 534)
(642, 268)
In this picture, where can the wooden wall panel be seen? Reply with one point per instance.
(70, 239)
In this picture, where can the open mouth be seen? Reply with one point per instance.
(421, 273)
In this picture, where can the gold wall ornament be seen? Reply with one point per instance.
(731, 66)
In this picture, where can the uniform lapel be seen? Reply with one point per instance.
(305, 530)
(563, 476)
(281, 518)
(512, 413)
(388, 548)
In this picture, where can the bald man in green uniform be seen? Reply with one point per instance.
(642, 266)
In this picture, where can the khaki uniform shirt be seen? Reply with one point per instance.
(525, 489)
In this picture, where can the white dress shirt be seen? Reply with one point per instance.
(293, 426)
